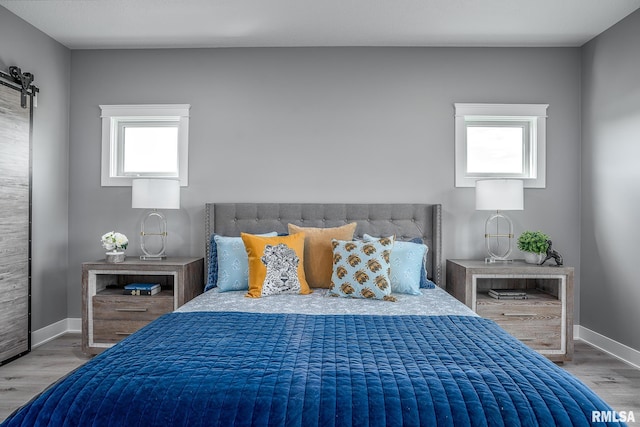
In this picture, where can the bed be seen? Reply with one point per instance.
(297, 359)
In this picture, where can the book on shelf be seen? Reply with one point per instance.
(507, 294)
(142, 289)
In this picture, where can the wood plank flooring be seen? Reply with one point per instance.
(616, 382)
(27, 376)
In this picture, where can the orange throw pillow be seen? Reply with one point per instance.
(318, 252)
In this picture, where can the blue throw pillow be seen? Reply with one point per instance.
(407, 266)
(228, 263)
(212, 274)
(425, 283)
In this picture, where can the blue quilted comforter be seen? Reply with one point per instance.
(229, 369)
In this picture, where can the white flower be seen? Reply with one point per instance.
(121, 240)
(114, 241)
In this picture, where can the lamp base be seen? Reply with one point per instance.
(490, 260)
(496, 251)
(152, 258)
(155, 220)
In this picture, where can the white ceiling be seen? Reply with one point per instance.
(85, 24)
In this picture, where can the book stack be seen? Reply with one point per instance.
(142, 289)
(507, 294)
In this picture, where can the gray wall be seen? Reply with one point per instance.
(298, 124)
(49, 61)
(611, 182)
(322, 125)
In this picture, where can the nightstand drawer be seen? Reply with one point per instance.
(112, 331)
(126, 307)
(117, 316)
(538, 336)
(519, 309)
(538, 325)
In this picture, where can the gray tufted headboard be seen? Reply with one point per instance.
(405, 221)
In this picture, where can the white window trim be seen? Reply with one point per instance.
(143, 112)
(536, 114)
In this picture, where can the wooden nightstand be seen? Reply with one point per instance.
(108, 316)
(543, 321)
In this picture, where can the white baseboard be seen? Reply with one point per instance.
(54, 330)
(614, 348)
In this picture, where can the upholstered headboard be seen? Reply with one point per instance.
(405, 221)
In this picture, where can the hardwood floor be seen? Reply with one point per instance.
(616, 382)
(27, 376)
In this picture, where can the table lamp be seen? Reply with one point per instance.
(499, 195)
(154, 194)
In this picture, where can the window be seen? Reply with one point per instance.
(148, 141)
(500, 141)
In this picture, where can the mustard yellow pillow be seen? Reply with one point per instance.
(276, 265)
(318, 253)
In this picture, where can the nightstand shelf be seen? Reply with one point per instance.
(108, 315)
(543, 321)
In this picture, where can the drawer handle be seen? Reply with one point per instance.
(124, 333)
(134, 309)
(527, 339)
(519, 314)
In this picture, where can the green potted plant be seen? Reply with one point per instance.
(534, 244)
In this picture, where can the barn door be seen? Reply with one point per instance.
(16, 96)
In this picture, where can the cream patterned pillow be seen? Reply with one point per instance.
(361, 269)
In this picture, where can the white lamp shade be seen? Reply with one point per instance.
(155, 193)
(500, 194)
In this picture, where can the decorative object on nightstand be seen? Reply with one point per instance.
(534, 245)
(499, 195)
(154, 194)
(553, 254)
(534, 303)
(142, 289)
(507, 294)
(115, 243)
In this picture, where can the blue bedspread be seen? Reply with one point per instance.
(229, 369)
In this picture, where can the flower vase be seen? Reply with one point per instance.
(114, 256)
